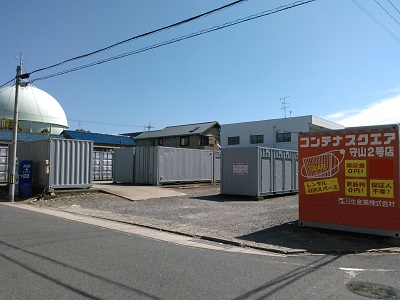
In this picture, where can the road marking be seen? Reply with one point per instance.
(353, 272)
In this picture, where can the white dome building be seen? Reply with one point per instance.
(38, 112)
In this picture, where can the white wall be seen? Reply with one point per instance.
(269, 128)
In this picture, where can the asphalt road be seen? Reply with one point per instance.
(47, 257)
(200, 210)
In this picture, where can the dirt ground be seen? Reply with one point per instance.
(271, 223)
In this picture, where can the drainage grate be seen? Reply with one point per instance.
(373, 290)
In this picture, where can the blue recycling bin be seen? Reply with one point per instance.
(25, 178)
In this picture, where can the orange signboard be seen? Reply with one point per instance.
(350, 178)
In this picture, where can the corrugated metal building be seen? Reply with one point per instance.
(59, 163)
(104, 145)
(259, 171)
(5, 140)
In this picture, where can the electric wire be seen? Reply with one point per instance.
(103, 123)
(8, 101)
(37, 105)
(376, 20)
(9, 54)
(181, 38)
(144, 34)
(31, 114)
(387, 12)
(7, 82)
(132, 38)
(394, 6)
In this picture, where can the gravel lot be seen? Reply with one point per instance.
(270, 223)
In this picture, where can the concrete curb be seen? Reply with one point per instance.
(203, 234)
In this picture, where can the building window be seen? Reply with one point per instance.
(257, 139)
(184, 141)
(283, 137)
(160, 142)
(204, 141)
(233, 140)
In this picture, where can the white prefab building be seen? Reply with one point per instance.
(275, 133)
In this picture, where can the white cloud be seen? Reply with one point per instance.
(342, 114)
(393, 91)
(385, 111)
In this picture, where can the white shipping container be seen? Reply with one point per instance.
(59, 163)
(161, 165)
(258, 171)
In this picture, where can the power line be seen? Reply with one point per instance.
(376, 21)
(103, 123)
(185, 37)
(394, 6)
(13, 56)
(387, 12)
(132, 38)
(144, 34)
(7, 82)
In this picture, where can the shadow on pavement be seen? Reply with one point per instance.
(318, 241)
(240, 198)
(223, 198)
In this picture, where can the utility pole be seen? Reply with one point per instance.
(13, 163)
(13, 148)
(283, 101)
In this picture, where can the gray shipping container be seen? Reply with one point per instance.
(161, 165)
(102, 165)
(59, 163)
(124, 165)
(258, 171)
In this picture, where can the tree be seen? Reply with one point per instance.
(82, 130)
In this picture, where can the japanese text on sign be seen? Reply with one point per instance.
(360, 145)
(366, 202)
(356, 187)
(381, 188)
(355, 168)
(321, 186)
(373, 139)
(240, 169)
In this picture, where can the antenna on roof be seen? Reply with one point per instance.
(148, 127)
(283, 101)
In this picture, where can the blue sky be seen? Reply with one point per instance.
(328, 56)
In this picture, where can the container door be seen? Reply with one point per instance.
(266, 179)
(278, 175)
(106, 166)
(217, 166)
(96, 166)
(3, 164)
(288, 175)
